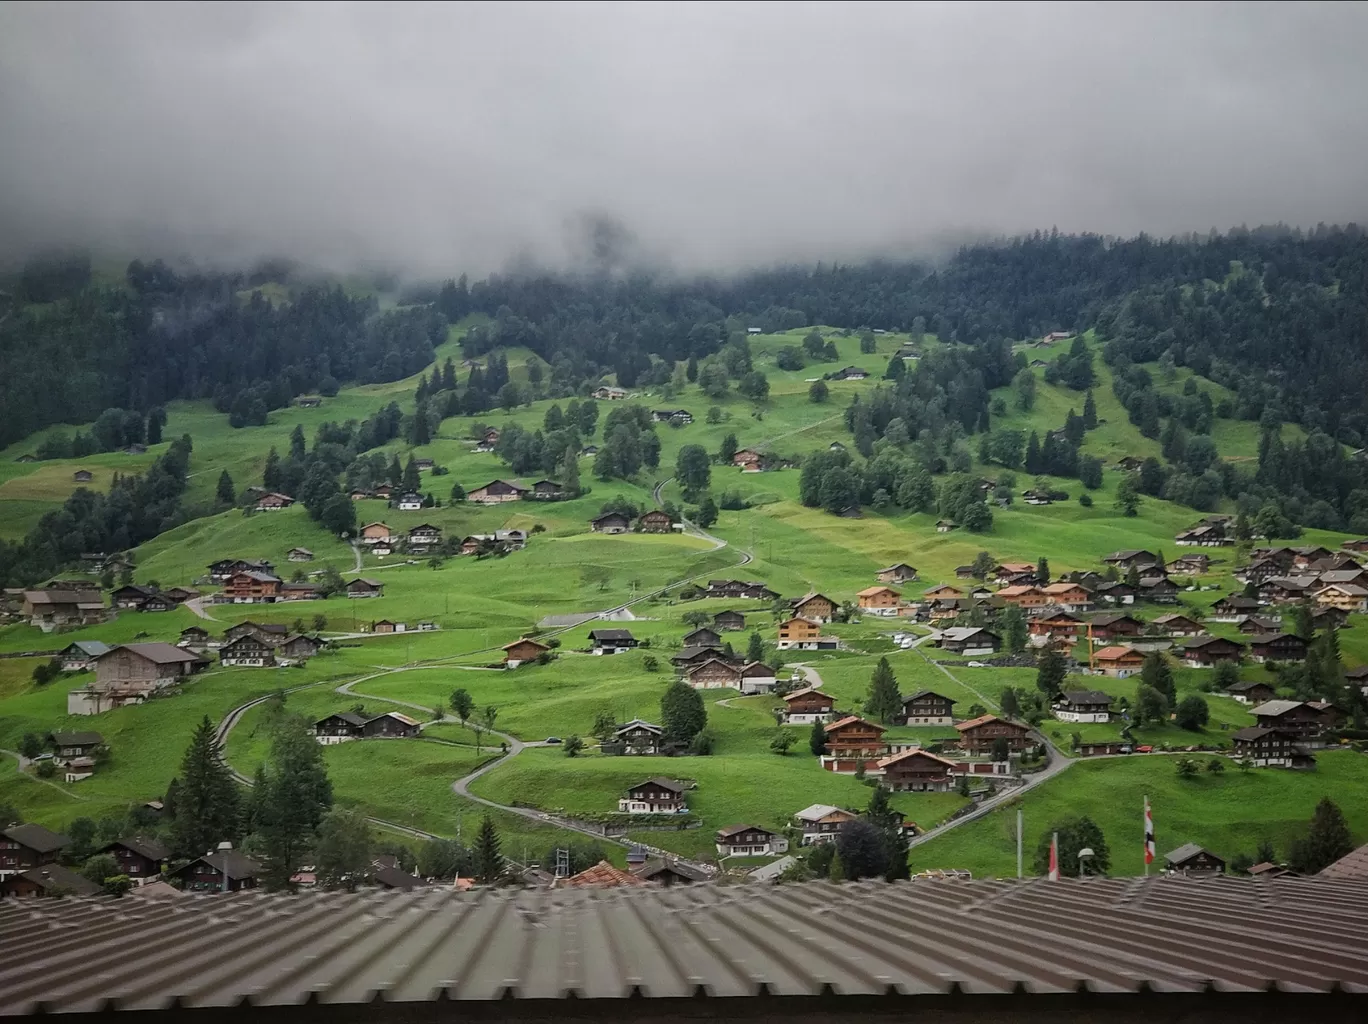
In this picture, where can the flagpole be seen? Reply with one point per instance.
(1054, 857)
(1149, 835)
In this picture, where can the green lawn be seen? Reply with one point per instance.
(1228, 813)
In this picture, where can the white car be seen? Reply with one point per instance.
(976, 664)
(906, 645)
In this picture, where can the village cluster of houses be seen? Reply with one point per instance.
(251, 644)
(30, 866)
(342, 726)
(654, 521)
(73, 754)
(251, 581)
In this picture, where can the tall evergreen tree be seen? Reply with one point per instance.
(1043, 571)
(271, 477)
(298, 794)
(817, 738)
(449, 375)
(489, 862)
(755, 647)
(396, 472)
(570, 478)
(884, 701)
(1326, 841)
(206, 798)
(1155, 672)
(226, 493)
(1089, 411)
(412, 482)
(297, 446)
(1033, 464)
(682, 713)
(890, 823)
(1051, 670)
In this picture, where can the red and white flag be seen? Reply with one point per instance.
(1149, 835)
(1054, 857)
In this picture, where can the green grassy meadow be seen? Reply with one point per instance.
(479, 605)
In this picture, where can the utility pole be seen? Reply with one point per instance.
(1020, 874)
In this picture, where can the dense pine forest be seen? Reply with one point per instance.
(1278, 316)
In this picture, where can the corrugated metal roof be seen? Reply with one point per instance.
(912, 938)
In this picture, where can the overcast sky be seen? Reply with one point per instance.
(441, 139)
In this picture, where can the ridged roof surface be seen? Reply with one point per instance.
(912, 938)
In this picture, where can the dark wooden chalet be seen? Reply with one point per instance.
(749, 841)
(50, 880)
(29, 846)
(249, 650)
(1191, 859)
(728, 622)
(926, 707)
(916, 771)
(1203, 652)
(655, 521)
(1277, 647)
(1249, 691)
(611, 523)
(1259, 625)
(611, 641)
(978, 735)
(655, 796)
(390, 725)
(702, 637)
(361, 587)
(808, 705)
(339, 726)
(1114, 625)
(639, 737)
(691, 657)
(853, 738)
(1298, 718)
(139, 858)
(1159, 589)
(1179, 625)
(217, 871)
(1263, 745)
(1233, 607)
(520, 651)
(670, 872)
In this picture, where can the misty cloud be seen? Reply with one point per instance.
(439, 139)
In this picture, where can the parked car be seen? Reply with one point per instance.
(553, 739)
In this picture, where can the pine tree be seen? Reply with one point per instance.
(226, 494)
(1089, 411)
(489, 862)
(884, 701)
(1043, 571)
(1050, 672)
(297, 446)
(270, 475)
(206, 797)
(817, 738)
(1326, 842)
(395, 473)
(449, 375)
(297, 796)
(1033, 453)
(1155, 672)
(412, 481)
(682, 713)
(755, 647)
(570, 478)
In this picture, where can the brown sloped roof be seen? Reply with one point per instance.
(603, 876)
(1352, 865)
(1049, 946)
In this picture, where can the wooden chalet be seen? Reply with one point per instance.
(1113, 625)
(1159, 589)
(969, 640)
(674, 417)
(29, 846)
(252, 588)
(926, 707)
(1070, 596)
(703, 637)
(749, 841)
(1057, 626)
(916, 771)
(639, 737)
(250, 651)
(50, 880)
(1191, 859)
(1299, 718)
(655, 521)
(1252, 691)
(815, 607)
(273, 501)
(1347, 597)
(611, 641)
(1129, 557)
(757, 677)
(1326, 617)
(298, 648)
(1204, 652)
(69, 745)
(714, 673)
(1232, 608)
(611, 523)
(55, 608)
(748, 460)
(228, 871)
(942, 592)
(728, 622)
(852, 741)
(655, 796)
(1179, 625)
(1015, 573)
(899, 573)
(139, 858)
(221, 570)
(978, 735)
(547, 490)
(1083, 706)
(734, 589)
(497, 492)
(794, 630)
(363, 588)
(808, 705)
(692, 657)
(521, 651)
(423, 538)
(1114, 593)
(374, 534)
(130, 673)
(390, 725)
(1277, 647)
(1024, 596)
(299, 555)
(1259, 625)
(669, 872)
(945, 526)
(881, 600)
(338, 727)
(80, 656)
(1189, 565)
(820, 823)
(1266, 746)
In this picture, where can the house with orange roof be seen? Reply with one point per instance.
(602, 876)
(1069, 596)
(942, 592)
(1024, 596)
(1117, 662)
(878, 600)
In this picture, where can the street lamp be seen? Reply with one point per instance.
(225, 848)
(1084, 856)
